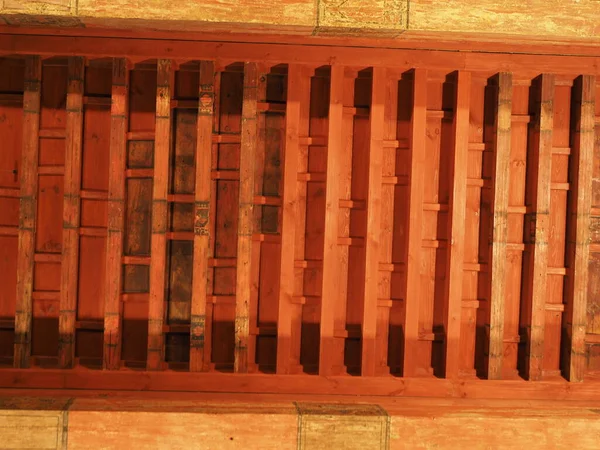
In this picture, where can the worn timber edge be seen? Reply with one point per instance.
(130, 380)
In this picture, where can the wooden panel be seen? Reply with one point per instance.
(372, 253)
(116, 214)
(330, 354)
(288, 322)
(456, 217)
(500, 202)
(578, 227)
(537, 225)
(71, 213)
(414, 221)
(28, 208)
(245, 221)
(202, 216)
(162, 145)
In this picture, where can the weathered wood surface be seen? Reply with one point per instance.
(339, 219)
(71, 213)
(226, 420)
(539, 18)
(27, 210)
(116, 214)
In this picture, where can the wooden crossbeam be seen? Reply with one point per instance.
(162, 144)
(116, 213)
(372, 252)
(27, 210)
(578, 239)
(288, 323)
(246, 219)
(202, 198)
(456, 224)
(538, 225)
(71, 213)
(414, 221)
(498, 245)
(330, 360)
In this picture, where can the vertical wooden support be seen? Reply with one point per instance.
(372, 253)
(70, 263)
(414, 221)
(578, 228)
(500, 191)
(246, 217)
(28, 209)
(202, 216)
(298, 93)
(162, 144)
(328, 361)
(119, 114)
(538, 226)
(456, 224)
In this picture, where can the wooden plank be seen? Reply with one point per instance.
(537, 233)
(162, 145)
(456, 224)
(373, 235)
(27, 210)
(414, 221)
(202, 198)
(259, 252)
(246, 217)
(116, 214)
(330, 361)
(71, 213)
(579, 238)
(498, 245)
(298, 94)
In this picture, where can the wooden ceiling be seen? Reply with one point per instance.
(317, 219)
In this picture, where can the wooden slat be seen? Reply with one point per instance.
(578, 241)
(538, 224)
(246, 219)
(257, 214)
(288, 333)
(414, 221)
(28, 210)
(498, 245)
(71, 213)
(116, 215)
(456, 224)
(373, 235)
(202, 216)
(329, 359)
(165, 74)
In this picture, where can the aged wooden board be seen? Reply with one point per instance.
(540, 18)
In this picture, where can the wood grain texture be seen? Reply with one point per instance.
(288, 344)
(456, 224)
(246, 216)
(329, 360)
(537, 224)
(116, 214)
(578, 226)
(374, 18)
(202, 198)
(160, 187)
(372, 252)
(498, 243)
(414, 221)
(71, 213)
(27, 210)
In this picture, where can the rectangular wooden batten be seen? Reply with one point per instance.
(298, 218)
